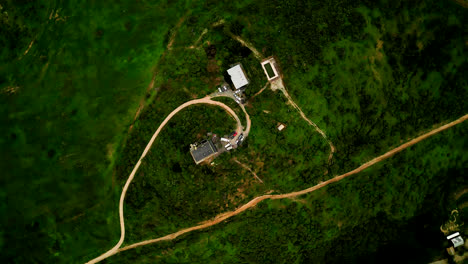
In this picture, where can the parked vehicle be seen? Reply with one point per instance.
(233, 135)
(240, 139)
(223, 88)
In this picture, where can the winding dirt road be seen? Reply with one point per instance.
(220, 218)
(205, 100)
(247, 117)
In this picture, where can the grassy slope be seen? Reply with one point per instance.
(78, 106)
(79, 87)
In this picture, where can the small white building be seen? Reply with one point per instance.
(281, 126)
(238, 76)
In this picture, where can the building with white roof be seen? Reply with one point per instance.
(281, 126)
(270, 68)
(238, 76)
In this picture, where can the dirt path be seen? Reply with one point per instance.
(205, 100)
(259, 92)
(249, 122)
(173, 35)
(142, 101)
(247, 117)
(279, 86)
(220, 218)
(195, 45)
(247, 44)
(247, 168)
(151, 84)
(29, 47)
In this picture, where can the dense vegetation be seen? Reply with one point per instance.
(65, 107)
(370, 73)
(392, 209)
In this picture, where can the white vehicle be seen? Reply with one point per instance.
(224, 139)
(240, 139)
(228, 145)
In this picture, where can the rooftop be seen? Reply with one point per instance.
(202, 151)
(238, 77)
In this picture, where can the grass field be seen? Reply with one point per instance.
(371, 74)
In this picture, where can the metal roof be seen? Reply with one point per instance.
(453, 235)
(238, 76)
(203, 151)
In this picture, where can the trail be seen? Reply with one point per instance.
(247, 168)
(29, 47)
(220, 218)
(259, 92)
(278, 85)
(173, 35)
(151, 85)
(229, 94)
(142, 101)
(281, 87)
(195, 45)
(247, 44)
(205, 100)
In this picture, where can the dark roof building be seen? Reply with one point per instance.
(203, 151)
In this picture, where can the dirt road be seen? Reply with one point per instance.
(247, 117)
(205, 100)
(255, 201)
